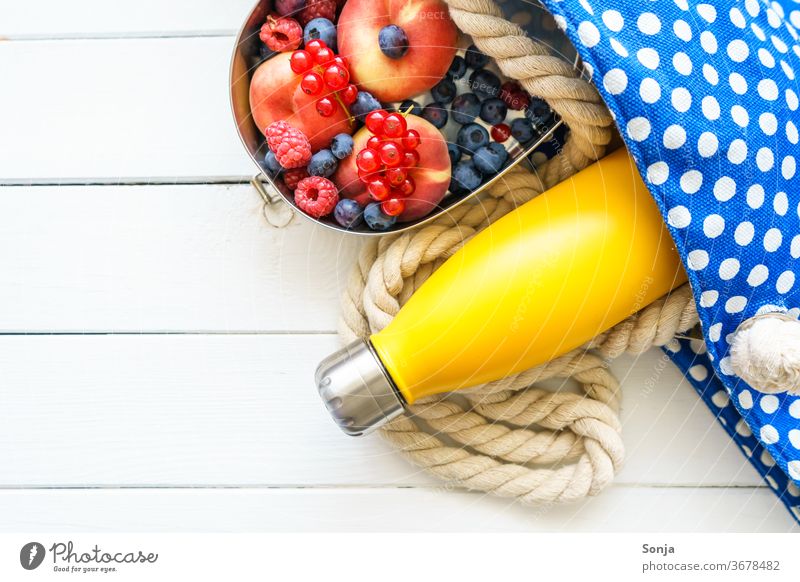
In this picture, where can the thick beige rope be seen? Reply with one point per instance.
(511, 438)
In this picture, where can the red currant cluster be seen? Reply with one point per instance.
(322, 68)
(385, 163)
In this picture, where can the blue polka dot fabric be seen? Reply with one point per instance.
(705, 95)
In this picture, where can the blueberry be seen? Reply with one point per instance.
(323, 29)
(454, 151)
(364, 103)
(493, 111)
(522, 130)
(484, 84)
(490, 159)
(393, 41)
(471, 138)
(348, 213)
(475, 58)
(458, 68)
(416, 108)
(538, 108)
(272, 165)
(286, 7)
(323, 163)
(342, 146)
(466, 108)
(376, 219)
(466, 177)
(435, 114)
(444, 91)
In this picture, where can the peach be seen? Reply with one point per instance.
(432, 175)
(275, 94)
(432, 39)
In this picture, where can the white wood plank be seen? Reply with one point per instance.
(114, 110)
(163, 258)
(619, 509)
(178, 410)
(54, 18)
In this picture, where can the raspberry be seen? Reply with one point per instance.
(289, 144)
(316, 196)
(281, 34)
(318, 9)
(292, 177)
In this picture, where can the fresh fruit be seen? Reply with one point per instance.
(326, 107)
(375, 217)
(435, 115)
(465, 108)
(391, 154)
(474, 58)
(374, 121)
(322, 29)
(281, 34)
(336, 77)
(444, 91)
(312, 83)
(484, 83)
(314, 46)
(271, 164)
(324, 55)
(454, 152)
(301, 61)
(286, 7)
(316, 196)
(501, 132)
(393, 206)
(364, 103)
(394, 126)
(411, 139)
(431, 45)
(408, 187)
(514, 96)
(458, 68)
(522, 130)
(368, 160)
(342, 145)
(410, 107)
(378, 188)
(290, 145)
(317, 9)
(466, 176)
(323, 163)
(275, 94)
(348, 213)
(493, 111)
(396, 176)
(349, 94)
(393, 41)
(490, 159)
(292, 177)
(471, 138)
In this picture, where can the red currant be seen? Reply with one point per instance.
(301, 61)
(349, 94)
(410, 159)
(393, 206)
(391, 154)
(501, 132)
(311, 83)
(374, 142)
(378, 188)
(408, 186)
(326, 107)
(336, 77)
(313, 46)
(341, 61)
(396, 176)
(324, 56)
(394, 125)
(374, 121)
(411, 139)
(368, 160)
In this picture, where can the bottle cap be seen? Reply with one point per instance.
(356, 389)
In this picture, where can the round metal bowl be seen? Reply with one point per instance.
(246, 58)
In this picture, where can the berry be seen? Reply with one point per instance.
(395, 176)
(281, 34)
(363, 104)
(411, 139)
(514, 96)
(393, 206)
(408, 186)
(290, 145)
(374, 143)
(323, 29)
(368, 160)
(501, 132)
(326, 107)
(348, 213)
(349, 94)
(493, 111)
(271, 164)
(416, 108)
(336, 77)
(378, 188)
(484, 84)
(410, 159)
(444, 91)
(466, 108)
(323, 163)
(538, 108)
(301, 61)
(312, 83)
(316, 196)
(317, 9)
(374, 121)
(324, 56)
(393, 41)
(292, 177)
(490, 159)
(285, 7)
(315, 46)
(471, 138)
(435, 114)
(377, 219)
(342, 145)
(454, 151)
(394, 125)
(474, 58)
(390, 154)
(522, 130)
(466, 177)
(458, 68)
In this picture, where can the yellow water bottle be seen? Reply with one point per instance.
(544, 279)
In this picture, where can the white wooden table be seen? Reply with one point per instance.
(158, 338)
